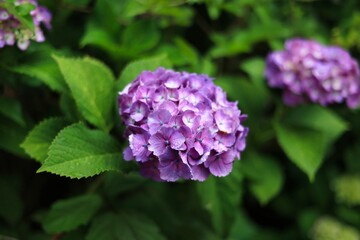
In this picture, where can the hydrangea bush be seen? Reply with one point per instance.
(309, 71)
(180, 125)
(111, 128)
(12, 28)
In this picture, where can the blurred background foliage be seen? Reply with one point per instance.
(298, 178)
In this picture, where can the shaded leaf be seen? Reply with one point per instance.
(306, 133)
(68, 214)
(220, 196)
(265, 175)
(11, 108)
(124, 226)
(38, 141)
(42, 67)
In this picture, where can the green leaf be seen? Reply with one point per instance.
(38, 141)
(11, 108)
(347, 189)
(330, 228)
(140, 36)
(124, 226)
(220, 196)
(11, 135)
(305, 147)
(92, 86)
(10, 200)
(306, 133)
(96, 35)
(42, 67)
(133, 69)
(242, 228)
(319, 118)
(265, 175)
(25, 8)
(68, 214)
(78, 152)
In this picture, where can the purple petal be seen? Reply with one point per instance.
(157, 144)
(200, 173)
(224, 122)
(139, 111)
(177, 140)
(127, 154)
(198, 147)
(158, 119)
(221, 164)
(172, 168)
(170, 106)
(139, 146)
(191, 120)
(173, 82)
(150, 170)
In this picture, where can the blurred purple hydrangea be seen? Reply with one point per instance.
(309, 71)
(12, 31)
(180, 125)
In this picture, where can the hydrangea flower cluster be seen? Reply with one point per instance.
(180, 125)
(309, 71)
(11, 29)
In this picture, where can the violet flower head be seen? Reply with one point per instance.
(180, 126)
(13, 31)
(308, 71)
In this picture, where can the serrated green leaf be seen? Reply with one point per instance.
(220, 196)
(124, 226)
(265, 175)
(135, 68)
(38, 141)
(44, 68)
(11, 108)
(68, 214)
(79, 152)
(306, 133)
(92, 86)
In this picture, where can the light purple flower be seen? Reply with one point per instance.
(172, 168)
(166, 138)
(220, 164)
(15, 32)
(139, 144)
(180, 125)
(310, 72)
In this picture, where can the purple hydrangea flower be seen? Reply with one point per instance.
(308, 71)
(180, 126)
(11, 31)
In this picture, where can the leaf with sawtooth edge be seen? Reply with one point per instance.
(79, 152)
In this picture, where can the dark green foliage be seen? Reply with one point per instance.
(297, 179)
